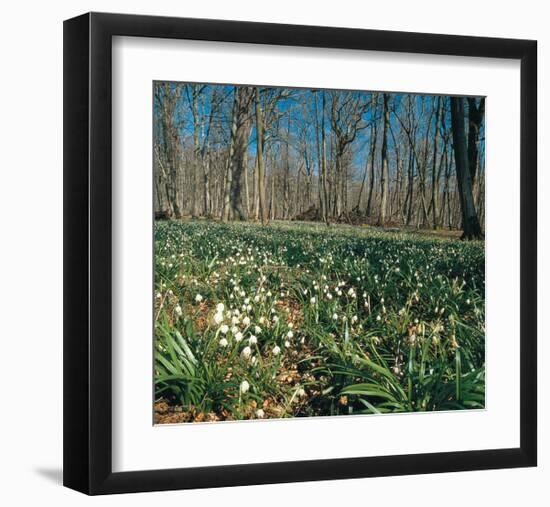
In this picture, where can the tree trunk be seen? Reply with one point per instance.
(472, 229)
(260, 156)
(384, 173)
(434, 166)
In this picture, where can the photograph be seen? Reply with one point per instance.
(317, 252)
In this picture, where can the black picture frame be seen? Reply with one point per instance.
(87, 253)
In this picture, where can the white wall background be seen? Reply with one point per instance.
(31, 249)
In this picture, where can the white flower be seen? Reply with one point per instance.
(329, 296)
(335, 316)
(275, 319)
(245, 386)
(198, 298)
(224, 342)
(220, 307)
(260, 414)
(287, 343)
(218, 318)
(252, 340)
(290, 325)
(301, 392)
(378, 318)
(178, 310)
(354, 318)
(290, 334)
(312, 300)
(246, 321)
(238, 336)
(257, 329)
(276, 350)
(247, 352)
(224, 328)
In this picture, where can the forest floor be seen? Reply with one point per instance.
(299, 319)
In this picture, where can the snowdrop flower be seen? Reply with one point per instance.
(218, 318)
(354, 319)
(378, 318)
(262, 320)
(275, 319)
(301, 392)
(245, 386)
(276, 350)
(198, 298)
(287, 344)
(290, 334)
(178, 310)
(220, 307)
(260, 414)
(252, 340)
(312, 300)
(238, 336)
(224, 328)
(246, 321)
(247, 352)
(257, 329)
(224, 342)
(334, 316)
(290, 325)
(159, 295)
(329, 296)
(235, 320)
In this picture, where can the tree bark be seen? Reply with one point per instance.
(472, 229)
(384, 173)
(260, 156)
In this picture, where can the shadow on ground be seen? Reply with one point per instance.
(52, 474)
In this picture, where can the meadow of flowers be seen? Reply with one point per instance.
(295, 320)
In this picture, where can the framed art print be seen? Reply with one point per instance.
(295, 253)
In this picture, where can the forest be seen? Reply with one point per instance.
(317, 253)
(263, 153)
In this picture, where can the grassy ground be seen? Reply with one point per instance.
(300, 320)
